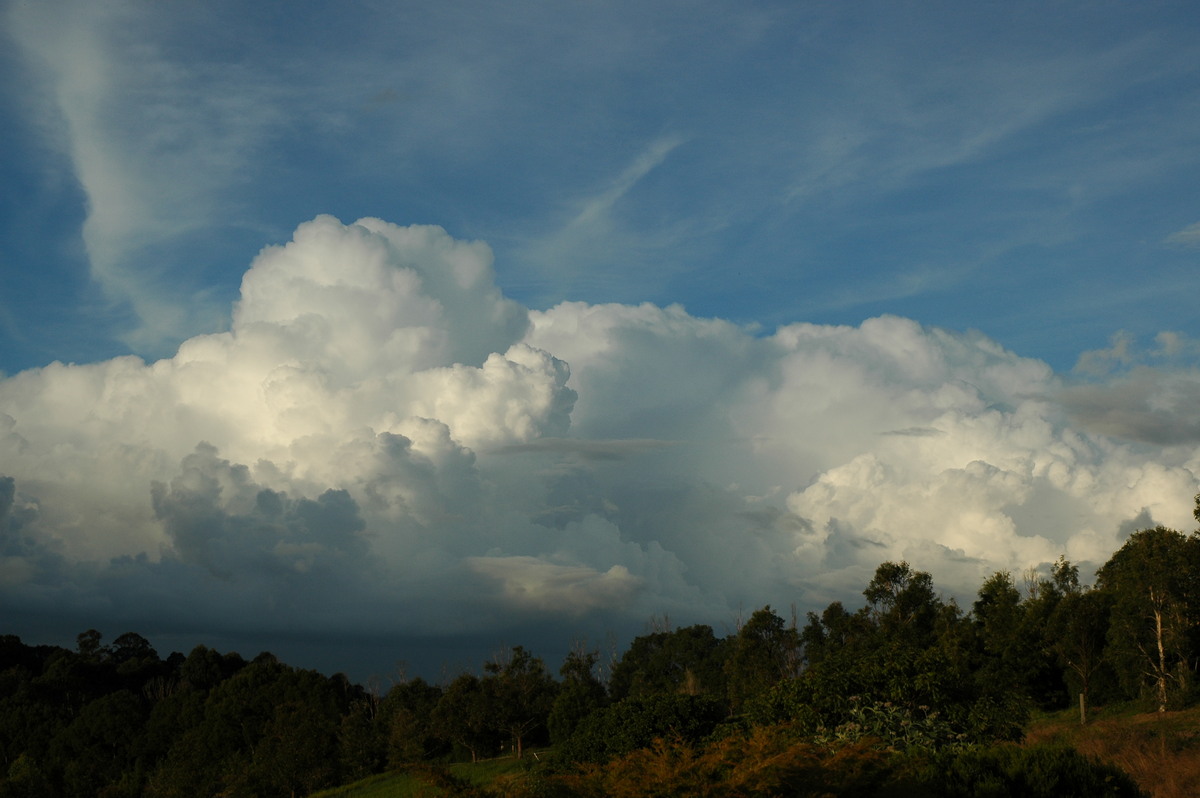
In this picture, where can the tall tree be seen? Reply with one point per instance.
(1080, 630)
(521, 693)
(406, 716)
(688, 660)
(580, 694)
(1009, 642)
(763, 652)
(1044, 680)
(1154, 581)
(834, 631)
(903, 603)
(462, 716)
(95, 749)
(297, 751)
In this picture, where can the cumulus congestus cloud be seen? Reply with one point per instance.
(364, 364)
(382, 430)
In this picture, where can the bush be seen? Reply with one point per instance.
(1032, 772)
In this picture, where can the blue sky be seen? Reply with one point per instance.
(1015, 168)
(907, 198)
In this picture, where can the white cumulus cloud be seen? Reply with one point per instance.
(382, 443)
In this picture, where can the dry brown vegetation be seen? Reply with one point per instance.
(765, 762)
(1161, 751)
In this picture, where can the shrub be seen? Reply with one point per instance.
(1032, 772)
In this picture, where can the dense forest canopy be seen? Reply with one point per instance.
(906, 669)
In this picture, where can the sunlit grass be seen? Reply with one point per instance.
(384, 785)
(409, 785)
(1161, 751)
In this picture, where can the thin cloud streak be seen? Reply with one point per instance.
(1188, 237)
(596, 244)
(596, 209)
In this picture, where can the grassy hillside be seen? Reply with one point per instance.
(1161, 751)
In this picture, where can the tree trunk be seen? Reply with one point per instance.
(1162, 657)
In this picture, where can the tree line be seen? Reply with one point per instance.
(907, 670)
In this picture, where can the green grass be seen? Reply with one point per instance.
(384, 785)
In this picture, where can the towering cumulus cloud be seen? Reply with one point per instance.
(383, 444)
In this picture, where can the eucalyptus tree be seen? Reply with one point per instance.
(1080, 631)
(902, 603)
(1154, 582)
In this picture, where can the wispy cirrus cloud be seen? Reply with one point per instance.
(157, 139)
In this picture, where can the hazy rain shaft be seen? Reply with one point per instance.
(384, 444)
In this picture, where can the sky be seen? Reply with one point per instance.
(385, 335)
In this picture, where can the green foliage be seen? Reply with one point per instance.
(462, 716)
(690, 659)
(896, 698)
(97, 744)
(204, 668)
(519, 694)
(1154, 582)
(406, 723)
(580, 695)
(902, 603)
(268, 729)
(1030, 772)
(1016, 651)
(825, 718)
(362, 748)
(893, 727)
(998, 614)
(902, 670)
(763, 652)
(1079, 636)
(836, 631)
(637, 722)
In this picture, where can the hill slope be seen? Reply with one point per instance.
(1161, 751)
